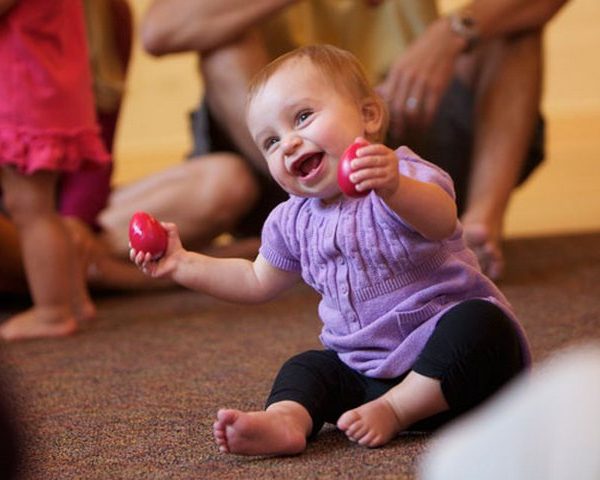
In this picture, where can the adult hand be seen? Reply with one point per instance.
(417, 80)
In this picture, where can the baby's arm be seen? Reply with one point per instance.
(425, 206)
(231, 279)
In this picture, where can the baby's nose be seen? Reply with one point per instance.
(291, 143)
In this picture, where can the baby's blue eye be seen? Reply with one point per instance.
(269, 142)
(302, 116)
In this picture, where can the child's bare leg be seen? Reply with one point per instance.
(377, 422)
(47, 255)
(281, 429)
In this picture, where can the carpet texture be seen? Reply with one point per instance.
(134, 394)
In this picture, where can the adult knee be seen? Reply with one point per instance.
(232, 189)
(240, 182)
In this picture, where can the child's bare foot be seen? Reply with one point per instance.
(38, 323)
(486, 246)
(270, 432)
(372, 425)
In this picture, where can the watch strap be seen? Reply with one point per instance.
(463, 24)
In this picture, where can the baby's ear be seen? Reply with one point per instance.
(373, 112)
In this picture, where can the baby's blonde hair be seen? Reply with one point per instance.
(338, 66)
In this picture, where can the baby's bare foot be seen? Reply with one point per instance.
(258, 433)
(38, 323)
(372, 425)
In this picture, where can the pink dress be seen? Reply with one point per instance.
(47, 113)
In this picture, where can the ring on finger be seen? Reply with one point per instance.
(412, 103)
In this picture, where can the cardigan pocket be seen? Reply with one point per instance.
(410, 320)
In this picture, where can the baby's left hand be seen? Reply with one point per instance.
(376, 168)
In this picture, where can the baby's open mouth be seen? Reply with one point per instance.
(307, 164)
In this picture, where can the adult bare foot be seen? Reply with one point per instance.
(486, 245)
(372, 425)
(85, 246)
(103, 270)
(270, 432)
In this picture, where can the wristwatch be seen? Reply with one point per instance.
(464, 25)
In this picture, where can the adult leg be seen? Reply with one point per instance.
(473, 351)
(12, 275)
(219, 123)
(507, 102)
(227, 72)
(205, 197)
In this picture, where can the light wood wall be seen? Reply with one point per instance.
(563, 195)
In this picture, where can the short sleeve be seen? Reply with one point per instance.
(278, 236)
(413, 166)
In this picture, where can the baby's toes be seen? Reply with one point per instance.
(347, 420)
(357, 430)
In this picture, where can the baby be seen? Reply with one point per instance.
(414, 333)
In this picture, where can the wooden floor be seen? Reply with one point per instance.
(563, 195)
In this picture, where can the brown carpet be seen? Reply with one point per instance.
(134, 394)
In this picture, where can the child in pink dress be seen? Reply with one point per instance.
(47, 127)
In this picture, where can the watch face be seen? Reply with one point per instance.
(465, 26)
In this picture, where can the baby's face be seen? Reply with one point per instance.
(302, 124)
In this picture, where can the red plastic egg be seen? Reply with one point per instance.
(344, 171)
(146, 234)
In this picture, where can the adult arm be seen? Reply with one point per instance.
(171, 26)
(423, 72)
(499, 18)
(12, 273)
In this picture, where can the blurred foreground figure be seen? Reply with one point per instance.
(546, 426)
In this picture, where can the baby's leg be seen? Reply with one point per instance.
(377, 422)
(47, 255)
(281, 429)
(494, 358)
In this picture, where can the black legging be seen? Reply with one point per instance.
(474, 350)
